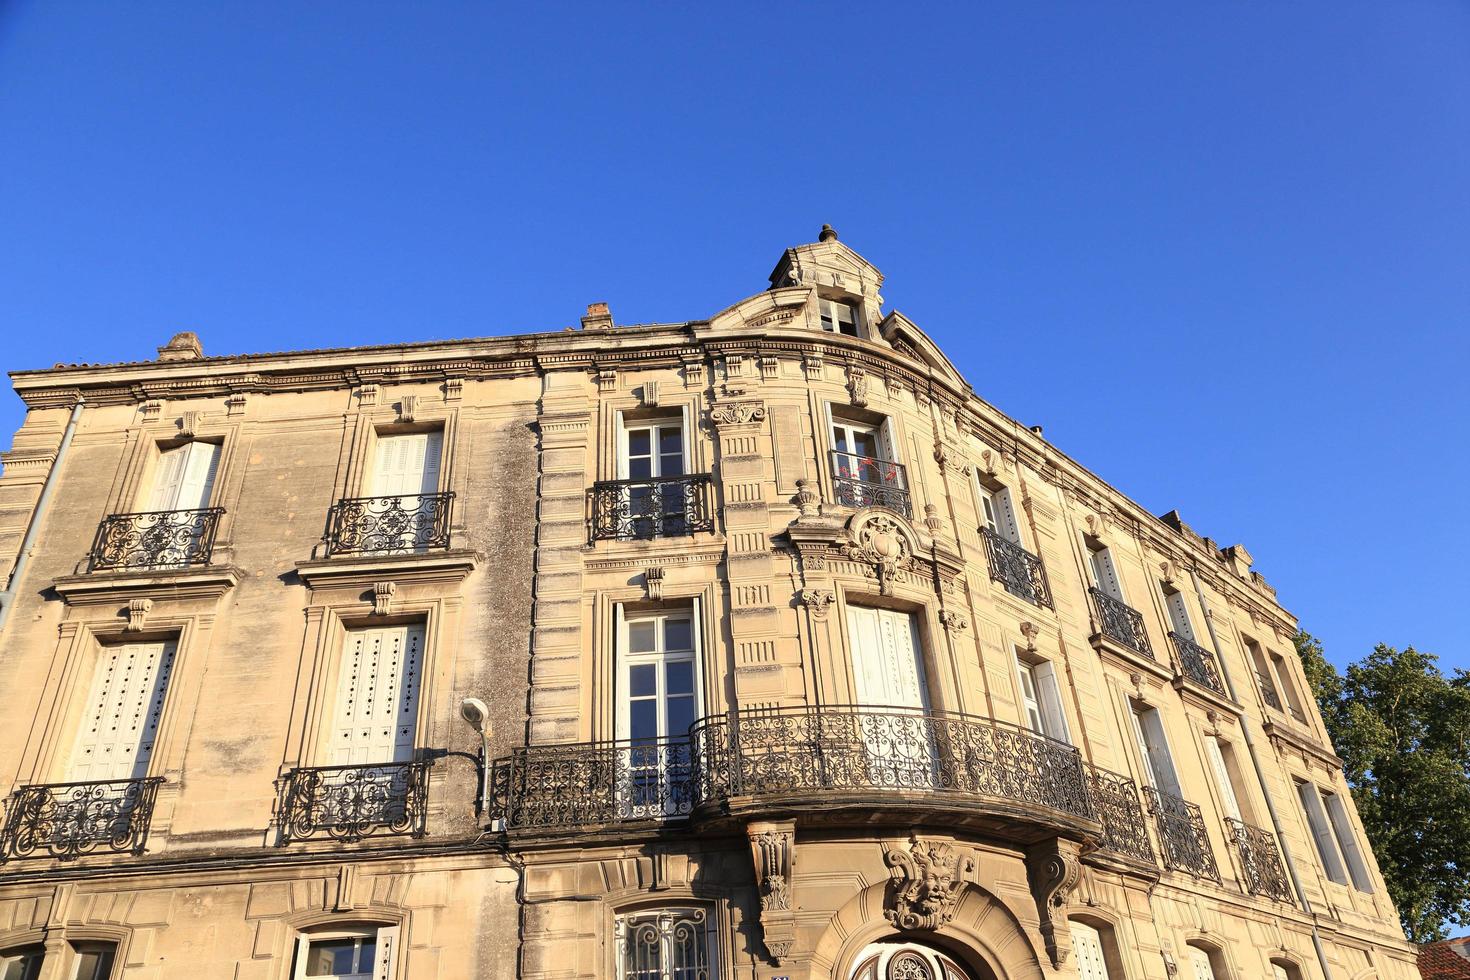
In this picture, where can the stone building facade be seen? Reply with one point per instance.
(751, 647)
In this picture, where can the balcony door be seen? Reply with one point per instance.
(376, 712)
(862, 454)
(184, 479)
(658, 702)
(898, 744)
(123, 707)
(652, 453)
(405, 472)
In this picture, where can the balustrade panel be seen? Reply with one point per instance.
(402, 524)
(1017, 569)
(349, 803)
(155, 539)
(67, 820)
(867, 481)
(641, 510)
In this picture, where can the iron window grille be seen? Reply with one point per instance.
(395, 524)
(1198, 664)
(660, 507)
(67, 820)
(155, 539)
(1261, 866)
(1115, 800)
(1121, 622)
(1017, 569)
(349, 803)
(1182, 838)
(867, 481)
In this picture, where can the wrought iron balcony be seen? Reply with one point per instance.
(155, 539)
(67, 820)
(1182, 837)
(348, 803)
(1198, 664)
(641, 510)
(1121, 622)
(1115, 800)
(389, 525)
(595, 783)
(866, 481)
(1268, 691)
(1017, 569)
(1259, 860)
(803, 756)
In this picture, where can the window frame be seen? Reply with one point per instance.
(624, 659)
(1341, 822)
(80, 947)
(1139, 711)
(625, 423)
(30, 955)
(1046, 695)
(1309, 797)
(835, 304)
(385, 957)
(997, 511)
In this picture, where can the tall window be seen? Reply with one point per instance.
(664, 944)
(1105, 573)
(350, 954)
(1148, 727)
(1270, 691)
(123, 709)
(95, 961)
(376, 712)
(1178, 613)
(653, 449)
(1285, 970)
(1087, 946)
(1316, 815)
(839, 317)
(1202, 964)
(184, 477)
(1347, 841)
(888, 666)
(997, 514)
(658, 702)
(21, 964)
(1287, 686)
(407, 465)
(1041, 703)
(1222, 764)
(652, 452)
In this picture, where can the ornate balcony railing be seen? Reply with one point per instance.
(1259, 860)
(1268, 691)
(866, 481)
(806, 752)
(1121, 622)
(1198, 664)
(1115, 800)
(389, 525)
(155, 539)
(641, 510)
(1182, 837)
(1017, 569)
(67, 820)
(348, 803)
(595, 783)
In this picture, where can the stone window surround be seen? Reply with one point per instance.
(613, 409)
(57, 940)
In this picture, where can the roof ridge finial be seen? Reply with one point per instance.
(828, 234)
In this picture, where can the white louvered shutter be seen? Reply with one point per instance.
(196, 483)
(1049, 691)
(1179, 615)
(1087, 946)
(1222, 777)
(167, 477)
(123, 709)
(387, 953)
(377, 696)
(885, 652)
(1106, 574)
(407, 465)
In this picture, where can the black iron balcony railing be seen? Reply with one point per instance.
(1259, 860)
(1198, 664)
(866, 481)
(815, 753)
(1268, 691)
(1017, 569)
(1121, 622)
(67, 820)
(389, 525)
(348, 803)
(1182, 837)
(641, 510)
(1115, 800)
(155, 539)
(596, 783)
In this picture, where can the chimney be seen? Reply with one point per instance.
(183, 346)
(598, 317)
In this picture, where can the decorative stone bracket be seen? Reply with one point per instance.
(817, 600)
(773, 849)
(737, 413)
(383, 598)
(653, 582)
(138, 610)
(1054, 868)
(927, 880)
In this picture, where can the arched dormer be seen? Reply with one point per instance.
(845, 283)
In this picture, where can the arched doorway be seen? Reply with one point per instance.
(895, 960)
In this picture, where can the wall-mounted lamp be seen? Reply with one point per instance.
(474, 711)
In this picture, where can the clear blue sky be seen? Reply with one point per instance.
(1221, 251)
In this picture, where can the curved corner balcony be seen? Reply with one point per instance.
(847, 763)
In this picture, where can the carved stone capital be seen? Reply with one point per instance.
(953, 621)
(1054, 868)
(927, 880)
(817, 600)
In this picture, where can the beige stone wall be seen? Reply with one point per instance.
(520, 610)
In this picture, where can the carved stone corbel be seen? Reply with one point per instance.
(817, 600)
(367, 395)
(773, 849)
(953, 621)
(408, 407)
(1030, 632)
(770, 367)
(650, 394)
(812, 363)
(1054, 868)
(189, 424)
(138, 610)
(607, 381)
(653, 582)
(857, 385)
(453, 389)
(383, 597)
(235, 404)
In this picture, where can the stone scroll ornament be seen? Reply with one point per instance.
(927, 879)
(880, 541)
(737, 413)
(1054, 868)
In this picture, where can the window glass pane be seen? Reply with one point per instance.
(671, 441)
(679, 677)
(681, 716)
(94, 963)
(330, 958)
(642, 680)
(678, 635)
(641, 636)
(639, 442)
(21, 965)
(366, 953)
(640, 467)
(643, 719)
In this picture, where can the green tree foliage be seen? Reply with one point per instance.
(1402, 728)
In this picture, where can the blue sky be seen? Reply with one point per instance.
(1221, 251)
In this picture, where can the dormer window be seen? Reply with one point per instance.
(839, 317)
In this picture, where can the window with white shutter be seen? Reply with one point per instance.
(123, 709)
(1200, 966)
(1041, 704)
(886, 653)
(1347, 841)
(1148, 727)
(1088, 948)
(1105, 573)
(997, 514)
(1316, 816)
(1221, 769)
(183, 478)
(1179, 614)
(376, 713)
(367, 954)
(407, 465)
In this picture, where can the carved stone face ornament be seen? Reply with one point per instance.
(928, 878)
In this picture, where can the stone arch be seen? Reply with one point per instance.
(984, 936)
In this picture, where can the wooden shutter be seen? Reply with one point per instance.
(1179, 615)
(1321, 832)
(1087, 946)
(1049, 691)
(869, 684)
(168, 474)
(1347, 840)
(1106, 574)
(886, 665)
(377, 696)
(407, 464)
(1200, 962)
(123, 709)
(1222, 777)
(387, 954)
(197, 482)
(1006, 516)
(1158, 767)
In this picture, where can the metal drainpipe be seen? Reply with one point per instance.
(1250, 749)
(7, 598)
